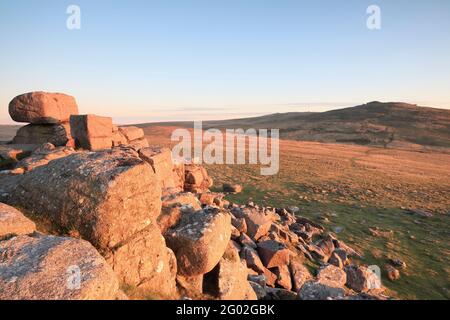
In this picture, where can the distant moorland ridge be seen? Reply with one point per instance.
(391, 124)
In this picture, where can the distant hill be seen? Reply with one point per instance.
(391, 124)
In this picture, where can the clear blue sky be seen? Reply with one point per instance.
(185, 59)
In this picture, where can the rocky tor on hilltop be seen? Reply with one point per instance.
(125, 218)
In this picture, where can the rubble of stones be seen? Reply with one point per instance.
(123, 215)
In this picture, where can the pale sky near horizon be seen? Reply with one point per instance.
(159, 60)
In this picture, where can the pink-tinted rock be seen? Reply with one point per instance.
(199, 240)
(273, 253)
(283, 277)
(132, 133)
(362, 279)
(332, 276)
(161, 161)
(299, 274)
(42, 108)
(91, 132)
(258, 221)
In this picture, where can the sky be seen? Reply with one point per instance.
(159, 60)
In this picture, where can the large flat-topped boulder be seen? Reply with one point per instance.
(56, 134)
(92, 132)
(13, 222)
(54, 268)
(105, 196)
(42, 108)
(199, 240)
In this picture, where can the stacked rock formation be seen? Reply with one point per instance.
(127, 216)
(93, 132)
(48, 117)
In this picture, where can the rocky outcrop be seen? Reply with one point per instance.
(43, 108)
(54, 268)
(110, 198)
(105, 196)
(13, 222)
(156, 228)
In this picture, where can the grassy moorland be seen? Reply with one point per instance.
(363, 193)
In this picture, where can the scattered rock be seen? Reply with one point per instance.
(259, 279)
(283, 277)
(362, 279)
(336, 260)
(392, 273)
(240, 224)
(332, 276)
(398, 263)
(258, 222)
(273, 253)
(252, 259)
(247, 241)
(299, 274)
(232, 188)
(42, 156)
